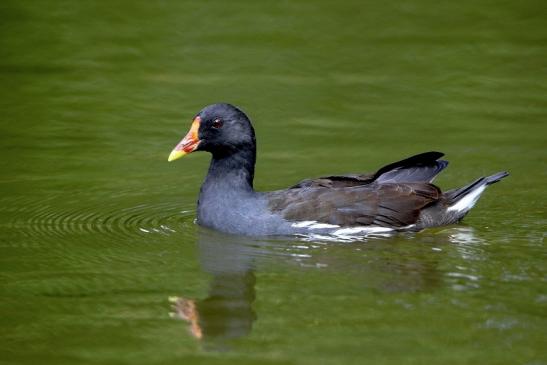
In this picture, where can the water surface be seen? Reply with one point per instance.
(101, 261)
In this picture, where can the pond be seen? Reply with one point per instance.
(102, 261)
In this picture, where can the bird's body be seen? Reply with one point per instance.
(398, 197)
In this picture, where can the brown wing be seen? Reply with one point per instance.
(387, 205)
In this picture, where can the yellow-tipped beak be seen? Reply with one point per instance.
(188, 144)
(175, 155)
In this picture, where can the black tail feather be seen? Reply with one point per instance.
(454, 195)
(496, 177)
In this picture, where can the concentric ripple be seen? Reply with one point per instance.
(115, 218)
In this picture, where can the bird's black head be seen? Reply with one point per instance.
(221, 129)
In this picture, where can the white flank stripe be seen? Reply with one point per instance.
(313, 225)
(468, 201)
(352, 231)
(346, 233)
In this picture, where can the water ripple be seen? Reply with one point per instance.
(109, 217)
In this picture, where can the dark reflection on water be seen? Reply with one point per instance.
(226, 313)
(394, 264)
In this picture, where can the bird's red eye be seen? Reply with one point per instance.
(217, 123)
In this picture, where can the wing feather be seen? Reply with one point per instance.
(387, 205)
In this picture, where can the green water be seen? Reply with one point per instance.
(101, 261)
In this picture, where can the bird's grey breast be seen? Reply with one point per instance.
(236, 211)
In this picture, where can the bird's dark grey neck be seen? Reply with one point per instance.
(233, 171)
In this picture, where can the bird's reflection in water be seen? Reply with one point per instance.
(391, 265)
(227, 312)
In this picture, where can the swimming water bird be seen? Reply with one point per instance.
(397, 197)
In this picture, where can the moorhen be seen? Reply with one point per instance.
(397, 197)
